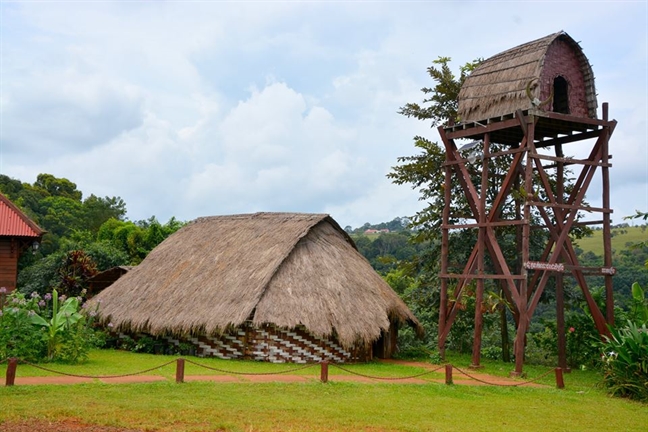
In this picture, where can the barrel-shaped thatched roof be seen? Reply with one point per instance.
(498, 86)
(286, 269)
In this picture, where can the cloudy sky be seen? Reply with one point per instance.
(189, 109)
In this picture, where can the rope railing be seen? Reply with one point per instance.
(386, 378)
(251, 373)
(95, 376)
(180, 366)
(517, 384)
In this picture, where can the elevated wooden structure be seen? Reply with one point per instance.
(530, 195)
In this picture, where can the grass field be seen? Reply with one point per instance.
(313, 406)
(620, 239)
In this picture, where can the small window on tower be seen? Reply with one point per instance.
(561, 95)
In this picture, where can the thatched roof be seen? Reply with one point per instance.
(287, 269)
(498, 85)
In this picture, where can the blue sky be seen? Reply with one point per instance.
(190, 109)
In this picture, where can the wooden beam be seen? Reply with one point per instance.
(471, 132)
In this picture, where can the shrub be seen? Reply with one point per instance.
(625, 362)
(31, 331)
(18, 337)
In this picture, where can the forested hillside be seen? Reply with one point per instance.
(84, 235)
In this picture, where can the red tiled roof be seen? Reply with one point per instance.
(14, 223)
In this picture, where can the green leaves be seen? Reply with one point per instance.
(441, 106)
(625, 362)
(639, 304)
(63, 318)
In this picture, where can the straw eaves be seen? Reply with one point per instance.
(498, 86)
(286, 269)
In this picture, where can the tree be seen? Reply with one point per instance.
(58, 187)
(98, 210)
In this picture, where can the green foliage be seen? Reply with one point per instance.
(385, 251)
(57, 187)
(98, 210)
(106, 255)
(625, 362)
(136, 240)
(81, 234)
(63, 319)
(41, 275)
(639, 308)
(18, 337)
(31, 331)
(582, 341)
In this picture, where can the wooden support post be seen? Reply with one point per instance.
(324, 372)
(607, 240)
(180, 367)
(522, 306)
(12, 364)
(560, 383)
(481, 252)
(448, 374)
(443, 303)
(560, 322)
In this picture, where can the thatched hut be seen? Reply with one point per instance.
(104, 279)
(550, 73)
(267, 286)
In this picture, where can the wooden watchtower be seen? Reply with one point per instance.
(525, 105)
(17, 233)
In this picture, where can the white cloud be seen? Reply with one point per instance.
(191, 109)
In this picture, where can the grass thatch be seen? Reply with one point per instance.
(498, 86)
(281, 268)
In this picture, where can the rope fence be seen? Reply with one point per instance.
(517, 384)
(12, 364)
(251, 373)
(96, 376)
(387, 378)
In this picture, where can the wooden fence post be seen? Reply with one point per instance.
(448, 374)
(180, 366)
(324, 372)
(11, 371)
(560, 383)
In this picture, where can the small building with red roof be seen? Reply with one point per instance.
(17, 233)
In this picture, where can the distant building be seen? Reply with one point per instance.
(17, 234)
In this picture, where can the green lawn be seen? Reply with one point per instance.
(313, 406)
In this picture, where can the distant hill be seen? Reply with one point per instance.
(396, 225)
(622, 236)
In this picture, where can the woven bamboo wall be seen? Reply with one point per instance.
(272, 344)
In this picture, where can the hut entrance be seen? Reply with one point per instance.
(561, 95)
(385, 346)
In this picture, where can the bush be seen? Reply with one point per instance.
(582, 341)
(18, 336)
(35, 329)
(625, 362)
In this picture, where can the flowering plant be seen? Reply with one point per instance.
(18, 336)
